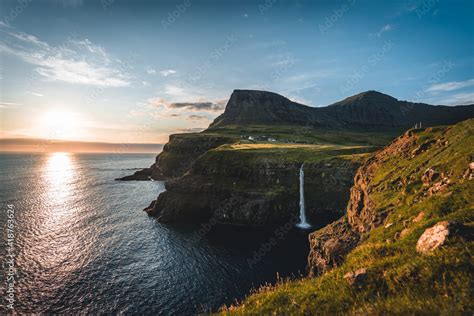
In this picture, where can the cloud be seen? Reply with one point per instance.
(191, 130)
(36, 94)
(450, 86)
(197, 117)
(75, 61)
(195, 111)
(384, 29)
(167, 72)
(459, 99)
(145, 83)
(151, 71)
(199, 106)
(4, 105)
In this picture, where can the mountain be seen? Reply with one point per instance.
(369, 119)
(369, 110)
(247, 107)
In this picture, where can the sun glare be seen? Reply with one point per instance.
(59, 125)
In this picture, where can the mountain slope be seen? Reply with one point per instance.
(405, 245)
(369, 110)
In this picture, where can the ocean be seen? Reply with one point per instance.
(81, 242)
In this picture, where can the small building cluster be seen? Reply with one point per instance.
(259, 138)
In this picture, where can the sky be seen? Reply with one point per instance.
(136, 71)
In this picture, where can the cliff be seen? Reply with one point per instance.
(405, 244)
(247, 185)
(179, 154)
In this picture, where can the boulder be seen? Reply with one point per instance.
(356, 278)
(428, 176)
(436, 236)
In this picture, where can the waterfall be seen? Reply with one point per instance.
(303, 223)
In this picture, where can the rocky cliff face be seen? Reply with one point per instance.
(416, 171)
(231, 188)
(178, 155)
(330, 245)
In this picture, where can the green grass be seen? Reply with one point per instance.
(310, 135)
(400, 280)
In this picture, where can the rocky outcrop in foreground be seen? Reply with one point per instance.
(384, 183)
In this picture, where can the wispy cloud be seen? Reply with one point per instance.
(4, 105)
(200, 106)
(459, 99)
(386, 28)
(167, 72)
(151, 71)
(206, 106)
(195, 117)
(36, 94)
(75, 61)
(450, 86)
(191, 130)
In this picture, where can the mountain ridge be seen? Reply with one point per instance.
(369, 110)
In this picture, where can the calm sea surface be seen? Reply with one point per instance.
(83, 243)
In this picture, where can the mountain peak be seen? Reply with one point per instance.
(370, 97)
(259, 107)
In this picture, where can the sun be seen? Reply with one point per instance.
(59, 125)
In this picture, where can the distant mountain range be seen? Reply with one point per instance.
(369, 110)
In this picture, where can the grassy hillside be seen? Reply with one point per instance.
(303, 134)
(399, 280)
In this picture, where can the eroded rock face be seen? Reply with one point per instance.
(330, 245)
(178, 156)
(360, 209)
(263, 192)
(436, 236)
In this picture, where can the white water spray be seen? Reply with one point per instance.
(303, 223)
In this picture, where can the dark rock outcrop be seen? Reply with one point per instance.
(233, 190)
(178, 155)
(140, 175)
(330, 245)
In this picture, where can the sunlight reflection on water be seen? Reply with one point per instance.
(85, 245)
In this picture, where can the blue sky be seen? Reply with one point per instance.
(136, 71)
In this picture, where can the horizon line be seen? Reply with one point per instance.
(39, 145)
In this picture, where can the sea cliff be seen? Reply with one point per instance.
(405, 245)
